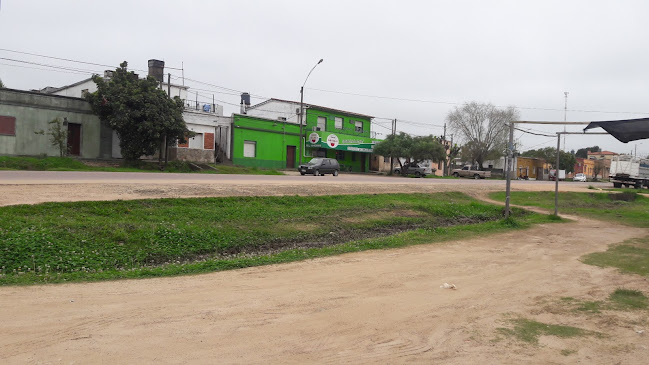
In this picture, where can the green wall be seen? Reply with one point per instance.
(271, 137)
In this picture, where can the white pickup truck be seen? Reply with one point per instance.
(467, 172)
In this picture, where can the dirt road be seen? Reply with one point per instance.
(31, 187)
(371, 307)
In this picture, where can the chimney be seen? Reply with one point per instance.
(157, 69)
(108, 74)
(245, 102)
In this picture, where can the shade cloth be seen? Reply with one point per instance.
(624, 130)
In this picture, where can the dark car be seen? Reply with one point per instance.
(320, 166)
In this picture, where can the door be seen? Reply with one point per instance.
(290, 157)
(74, 139)
(362, 161)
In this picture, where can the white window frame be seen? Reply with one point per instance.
(250, 149)
(338, 123)
(322, 123)
(358, 124)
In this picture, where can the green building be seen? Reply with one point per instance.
(268, 136)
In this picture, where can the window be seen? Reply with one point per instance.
(339, 123)
(7, 126)
(359, 126)
(249, 148)
(353, 156)
(196, 141)
(386, 159)
(340, 155)
(322, 123)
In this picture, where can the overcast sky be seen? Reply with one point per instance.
(509, 53)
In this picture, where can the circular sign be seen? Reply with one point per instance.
(314, 137)
(332, 141)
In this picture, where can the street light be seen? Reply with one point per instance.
(302, 107)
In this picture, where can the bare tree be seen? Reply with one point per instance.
(482, 128)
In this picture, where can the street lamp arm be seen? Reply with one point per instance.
(307, 76)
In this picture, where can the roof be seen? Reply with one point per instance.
(67, 86)
(313, 106)
(603, 153)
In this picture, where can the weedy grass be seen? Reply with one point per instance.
(71, 164)
(87, 241)
(628, 299)
(628, 207)
(631, 256)
(529, 331)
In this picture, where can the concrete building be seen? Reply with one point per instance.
(22, 113)
(268, 135)
(213, 136)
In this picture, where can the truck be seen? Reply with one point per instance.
(466, 171)
(553, 174)
(628, 171)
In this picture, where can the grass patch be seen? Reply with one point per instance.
(628, 208)
(631, 256)
(628, 299)
(83, 241)
(71, 164)
(529, 331)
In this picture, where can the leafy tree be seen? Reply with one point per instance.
(412, 149)
(483, 128)
(139, 111)
(549, 154)
(583, 152)
(58, 135)
(598, 168)
(2, 86)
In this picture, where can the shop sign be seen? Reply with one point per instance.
(314, 137)
(332, 141)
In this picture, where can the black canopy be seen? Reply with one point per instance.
(624, 130)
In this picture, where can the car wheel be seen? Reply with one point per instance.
(397, 172)
(417, 173)
(455, 174)
(316, 172)
(302, 173)
(476, 176)
(335, 172)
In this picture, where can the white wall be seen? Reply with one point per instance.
(275, 109)
(75, 91)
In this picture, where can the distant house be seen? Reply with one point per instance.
(213, 135)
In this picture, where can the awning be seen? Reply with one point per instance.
(624, 130)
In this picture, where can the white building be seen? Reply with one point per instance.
(212, 139)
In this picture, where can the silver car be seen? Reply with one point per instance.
(580, 177)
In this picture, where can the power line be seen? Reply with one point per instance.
(63, 59)
(454, 103)
(536, 134)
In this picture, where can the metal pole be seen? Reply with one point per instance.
(510, 156)
(565, 112)
(169, 85)
(301, 112)
(394, 129)
(556, 178)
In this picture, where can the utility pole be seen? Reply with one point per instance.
(445, 156)
(509, 164)
(565, 112)
(394, 131)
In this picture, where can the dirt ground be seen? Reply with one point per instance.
(371, 307)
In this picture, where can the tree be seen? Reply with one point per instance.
(483, 128)
(549, 154)
(2, 86)
(583, 152)
(412, 149)
(58, 136)
(139, 111)
(598, 168)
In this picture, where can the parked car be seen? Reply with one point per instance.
(580, 177)
(320, 166)
(466, 171)
(553, 174)
(411, 169)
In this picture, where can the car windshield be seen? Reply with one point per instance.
(580, 175)
(315, 161)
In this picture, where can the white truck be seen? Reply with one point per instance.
(628, 171)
